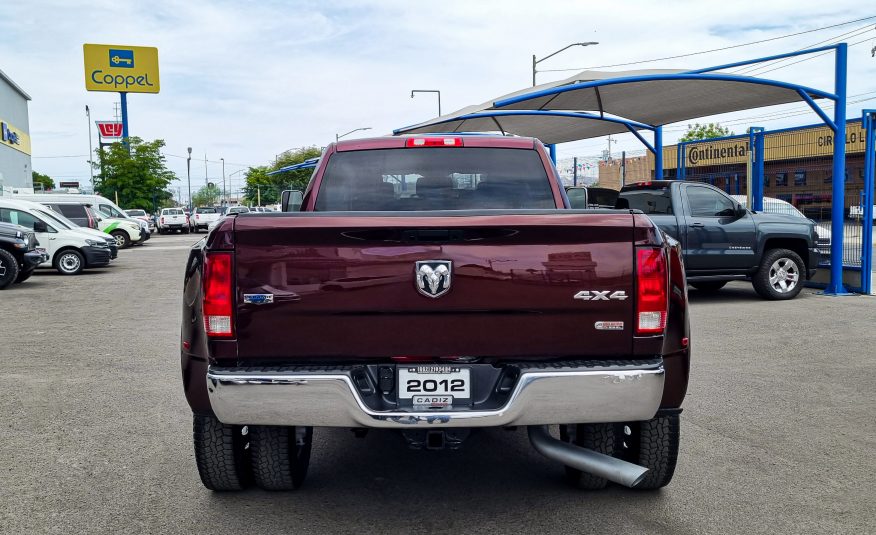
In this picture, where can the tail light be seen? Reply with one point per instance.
(434, 142)
(651, 290)
(218, 293)
(91, 222)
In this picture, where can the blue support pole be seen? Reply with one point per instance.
(124, 106)
(835, 287)
(682, 167)
(658, 153)
(869, 123)
(553, 152)
(757, 170)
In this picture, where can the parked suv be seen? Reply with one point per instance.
(69, 251)
(202, 217)
(173, 219)
(18, 254)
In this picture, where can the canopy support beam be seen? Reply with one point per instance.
(658, 153)
(817, 109)
(835, 287)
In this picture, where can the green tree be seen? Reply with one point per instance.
(260, 184)
(207, 196)
(705, 131)
(139, 177)
(45, 180)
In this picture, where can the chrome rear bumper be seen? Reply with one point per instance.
(588, 392)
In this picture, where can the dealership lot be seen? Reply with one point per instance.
(777, 434)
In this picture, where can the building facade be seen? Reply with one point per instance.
(15, 163)
(798, 166)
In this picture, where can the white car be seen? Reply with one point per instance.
(202, 217)
(69, 251)
(142, 215)
(172, 219)
(772, 205)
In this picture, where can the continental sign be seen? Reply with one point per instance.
(787, 145)
(117, 68)
(14, 138)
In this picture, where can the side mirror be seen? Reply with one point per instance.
(40, 226)
(291, 200)
(740, 210)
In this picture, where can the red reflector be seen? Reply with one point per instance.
(434, 142)
(217, 302)
(651, 291)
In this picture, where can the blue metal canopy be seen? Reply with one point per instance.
(306, 164)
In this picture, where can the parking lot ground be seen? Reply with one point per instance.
(778, 432)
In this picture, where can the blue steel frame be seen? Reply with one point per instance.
(838, 125)
(868, 122)
(306, 164)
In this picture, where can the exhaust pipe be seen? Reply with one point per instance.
(598, 464)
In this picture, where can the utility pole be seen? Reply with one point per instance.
(206, 179)
(608, 152)
(189, 173)
(223, 182)
(90, 149)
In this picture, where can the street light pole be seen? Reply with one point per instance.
(223, 181)
(189, 173)
(429, 91)
(537, 61)
(90, 149)
(339, 136)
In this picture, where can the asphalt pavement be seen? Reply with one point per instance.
(778, 432)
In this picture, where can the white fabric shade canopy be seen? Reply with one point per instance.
(648, 97)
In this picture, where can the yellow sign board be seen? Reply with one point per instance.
(787, 145)
(14, 138)
(122, 69)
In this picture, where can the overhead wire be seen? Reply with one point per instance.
(846, 23)
(750, 69)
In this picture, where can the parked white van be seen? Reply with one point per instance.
(104, 206)
(69, 251)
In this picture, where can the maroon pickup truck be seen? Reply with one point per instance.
(434, 286)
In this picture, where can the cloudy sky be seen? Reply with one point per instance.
(245, 80)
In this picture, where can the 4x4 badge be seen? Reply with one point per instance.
(600, 295)
(433, 277)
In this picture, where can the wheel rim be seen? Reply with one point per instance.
(2, 269)
(784, 275)
(120, 240)
(69, 263)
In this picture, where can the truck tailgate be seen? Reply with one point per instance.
(345, 286)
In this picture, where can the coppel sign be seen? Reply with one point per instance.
(117, 68)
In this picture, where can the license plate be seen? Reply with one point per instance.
(434, 385)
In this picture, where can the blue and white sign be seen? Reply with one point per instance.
(121, 58)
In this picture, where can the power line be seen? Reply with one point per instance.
(714, 49)
(854, 33)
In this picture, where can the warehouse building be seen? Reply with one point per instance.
(15, 164)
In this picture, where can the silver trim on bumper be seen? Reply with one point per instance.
(568, 395)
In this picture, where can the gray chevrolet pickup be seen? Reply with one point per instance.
(723, 241)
